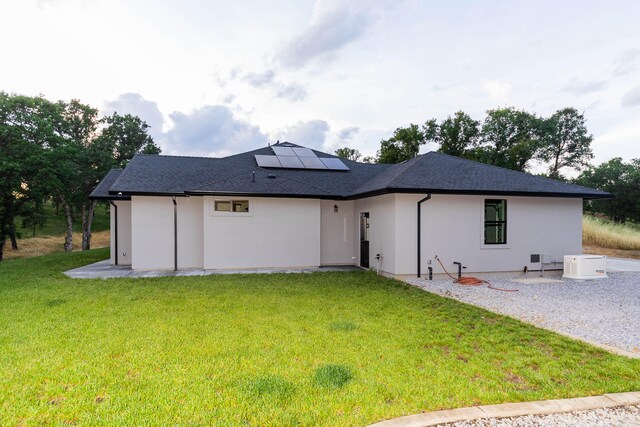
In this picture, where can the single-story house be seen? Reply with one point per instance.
(287, 206)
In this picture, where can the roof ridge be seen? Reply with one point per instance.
(511, 170)
(178, 156)
(420, 157)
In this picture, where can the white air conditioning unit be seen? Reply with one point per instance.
(585, 267)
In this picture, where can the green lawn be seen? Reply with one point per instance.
(282, 349)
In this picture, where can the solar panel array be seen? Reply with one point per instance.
(298, 158)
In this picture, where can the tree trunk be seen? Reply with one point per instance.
(68, 239)
(2, 239)
(87, 220)
(12, 236)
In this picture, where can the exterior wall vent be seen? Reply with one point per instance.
(585, 267)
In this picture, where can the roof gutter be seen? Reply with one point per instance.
(115, 232)
(175, 233)
(585, 196)
(419, 229)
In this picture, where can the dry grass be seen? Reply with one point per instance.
(611, 253)
(607, 234)
(37, 246)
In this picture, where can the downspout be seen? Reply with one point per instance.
(419, 224)
(175, 234)
(115, 232)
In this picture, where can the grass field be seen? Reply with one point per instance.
(299, 349)
(607, 234)
(56, 224)
(50, 237)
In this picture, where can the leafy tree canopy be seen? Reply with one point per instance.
(403, 145)
(619, 178)
(348, 153)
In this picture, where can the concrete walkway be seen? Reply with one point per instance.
(104, 270)
(623, 264)
(541, 407)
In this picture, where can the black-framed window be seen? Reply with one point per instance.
(495, 222)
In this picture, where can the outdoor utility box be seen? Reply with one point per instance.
(585, 267)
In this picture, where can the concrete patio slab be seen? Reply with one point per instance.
(105, 270)
(623, 264)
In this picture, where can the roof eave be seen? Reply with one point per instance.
(252, 194)
(586, 196)
(109, 198)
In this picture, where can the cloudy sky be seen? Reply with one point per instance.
(221, 77)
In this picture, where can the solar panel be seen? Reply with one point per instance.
(312, 163)
(290, 162)
(334, 164)
(298, 158)
(304, 152)
(283, 151)
(267, 161)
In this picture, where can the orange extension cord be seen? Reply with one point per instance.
(473, 281)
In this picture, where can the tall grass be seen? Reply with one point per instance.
(36, 246)
(606, 233)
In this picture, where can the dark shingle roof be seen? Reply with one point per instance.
(429, 173)
(440, 173)
(102, 189)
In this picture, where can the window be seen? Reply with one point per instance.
(232, 206)
(495, 222)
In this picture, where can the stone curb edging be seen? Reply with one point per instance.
(541, 407)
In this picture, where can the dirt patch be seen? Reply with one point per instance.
(616, 253)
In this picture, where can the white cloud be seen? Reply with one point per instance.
(260, 79)
(293, 92)
(136, 105)
(619, 141)
(497, 90)
(631, 98)
(627, 63)
(331, 28)
(585, 87)
(347, 133)
(211, 131)
(311, 134)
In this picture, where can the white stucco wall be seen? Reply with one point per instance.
(152, 233)
(453, 229)
(190, 236)
(276, 232)
(382, 229)
(337, 232)
(124, 232)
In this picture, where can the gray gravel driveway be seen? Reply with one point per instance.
(627, 416)
(605, 311)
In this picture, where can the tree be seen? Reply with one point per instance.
(78, 164)
(403, 145)
(620, 179)
(348, 153)
(126, 136)
(120, 138)
(26, 131)
(565, 141)
(510, 138)
(457, 135)
(88, 147)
